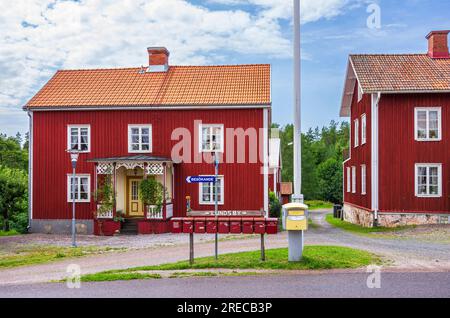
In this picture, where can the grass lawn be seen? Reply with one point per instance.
(314, 258)
(38, 254)
(9, 233)
(357, 229)
(104, 277)
(318, 205)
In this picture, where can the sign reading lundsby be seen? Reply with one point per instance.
(226, 213)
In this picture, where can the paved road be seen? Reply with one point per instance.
(433, 285)
(407, 255)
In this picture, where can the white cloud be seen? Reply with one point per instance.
(39, 36)
(311, 10)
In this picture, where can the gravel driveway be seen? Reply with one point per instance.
(405, 254)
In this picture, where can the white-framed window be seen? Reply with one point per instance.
(349, 180)
(363, 129)
(79, 138)
(211, 138)
(82, 186)
(356, 135)
(428, 179)
(428, 124)
(208, 194)
(363, 179)
(353, 179)
(140, 138)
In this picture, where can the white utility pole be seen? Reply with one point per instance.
(295, 214)
(298, 197)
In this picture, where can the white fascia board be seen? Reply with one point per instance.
(149, 107)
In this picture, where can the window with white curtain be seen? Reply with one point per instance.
(211, 138)
(356, 136)
(79, 138)
(428, 124)
(81, 185)
(428, 180)
(140, 138)
(208, 193)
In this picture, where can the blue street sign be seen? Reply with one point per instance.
(200, 179)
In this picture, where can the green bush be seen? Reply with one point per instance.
(151, 192)
(274, 206)
(13, 199)
(330, 184)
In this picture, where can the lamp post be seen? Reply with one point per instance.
(73, 158)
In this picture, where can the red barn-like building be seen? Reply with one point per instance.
(160, 121)
(398, 170)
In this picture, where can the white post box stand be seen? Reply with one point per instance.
(295, 221)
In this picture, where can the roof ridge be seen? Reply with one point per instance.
(171, 66)
(388, 54)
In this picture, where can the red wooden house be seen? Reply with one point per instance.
(398, 170)
(159, 121)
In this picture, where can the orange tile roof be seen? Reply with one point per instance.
(401, 73)
(179, 86)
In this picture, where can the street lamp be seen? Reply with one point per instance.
(73, 158)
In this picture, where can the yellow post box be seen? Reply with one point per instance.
(295, 217)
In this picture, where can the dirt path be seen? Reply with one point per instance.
(405, 254)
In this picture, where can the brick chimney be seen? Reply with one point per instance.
(438, 44)
(158, 59)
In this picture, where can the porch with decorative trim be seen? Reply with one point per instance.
(125, 174)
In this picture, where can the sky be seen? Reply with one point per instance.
(38, 37)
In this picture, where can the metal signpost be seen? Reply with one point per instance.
(216, 205)
(202, 179)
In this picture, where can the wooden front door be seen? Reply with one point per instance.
(135, 206)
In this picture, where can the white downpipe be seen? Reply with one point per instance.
(266, 160)
(375, 154)
(30, 168)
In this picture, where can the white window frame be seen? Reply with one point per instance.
(349, 180)
(200, 193)
(78, 176)
(416, 126)
(150, 140)
(200, 138)
(416, 181)
(353, 179)
(363, 179)
(356, 133)
(69, 137)
(363, 129)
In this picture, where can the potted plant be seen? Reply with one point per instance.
(119, 217)
(106, 222)
(152, 194)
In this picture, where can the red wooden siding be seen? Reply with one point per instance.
(399, 152)
(109, 137)
(360, 155)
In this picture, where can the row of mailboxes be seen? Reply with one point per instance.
(225, 225)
